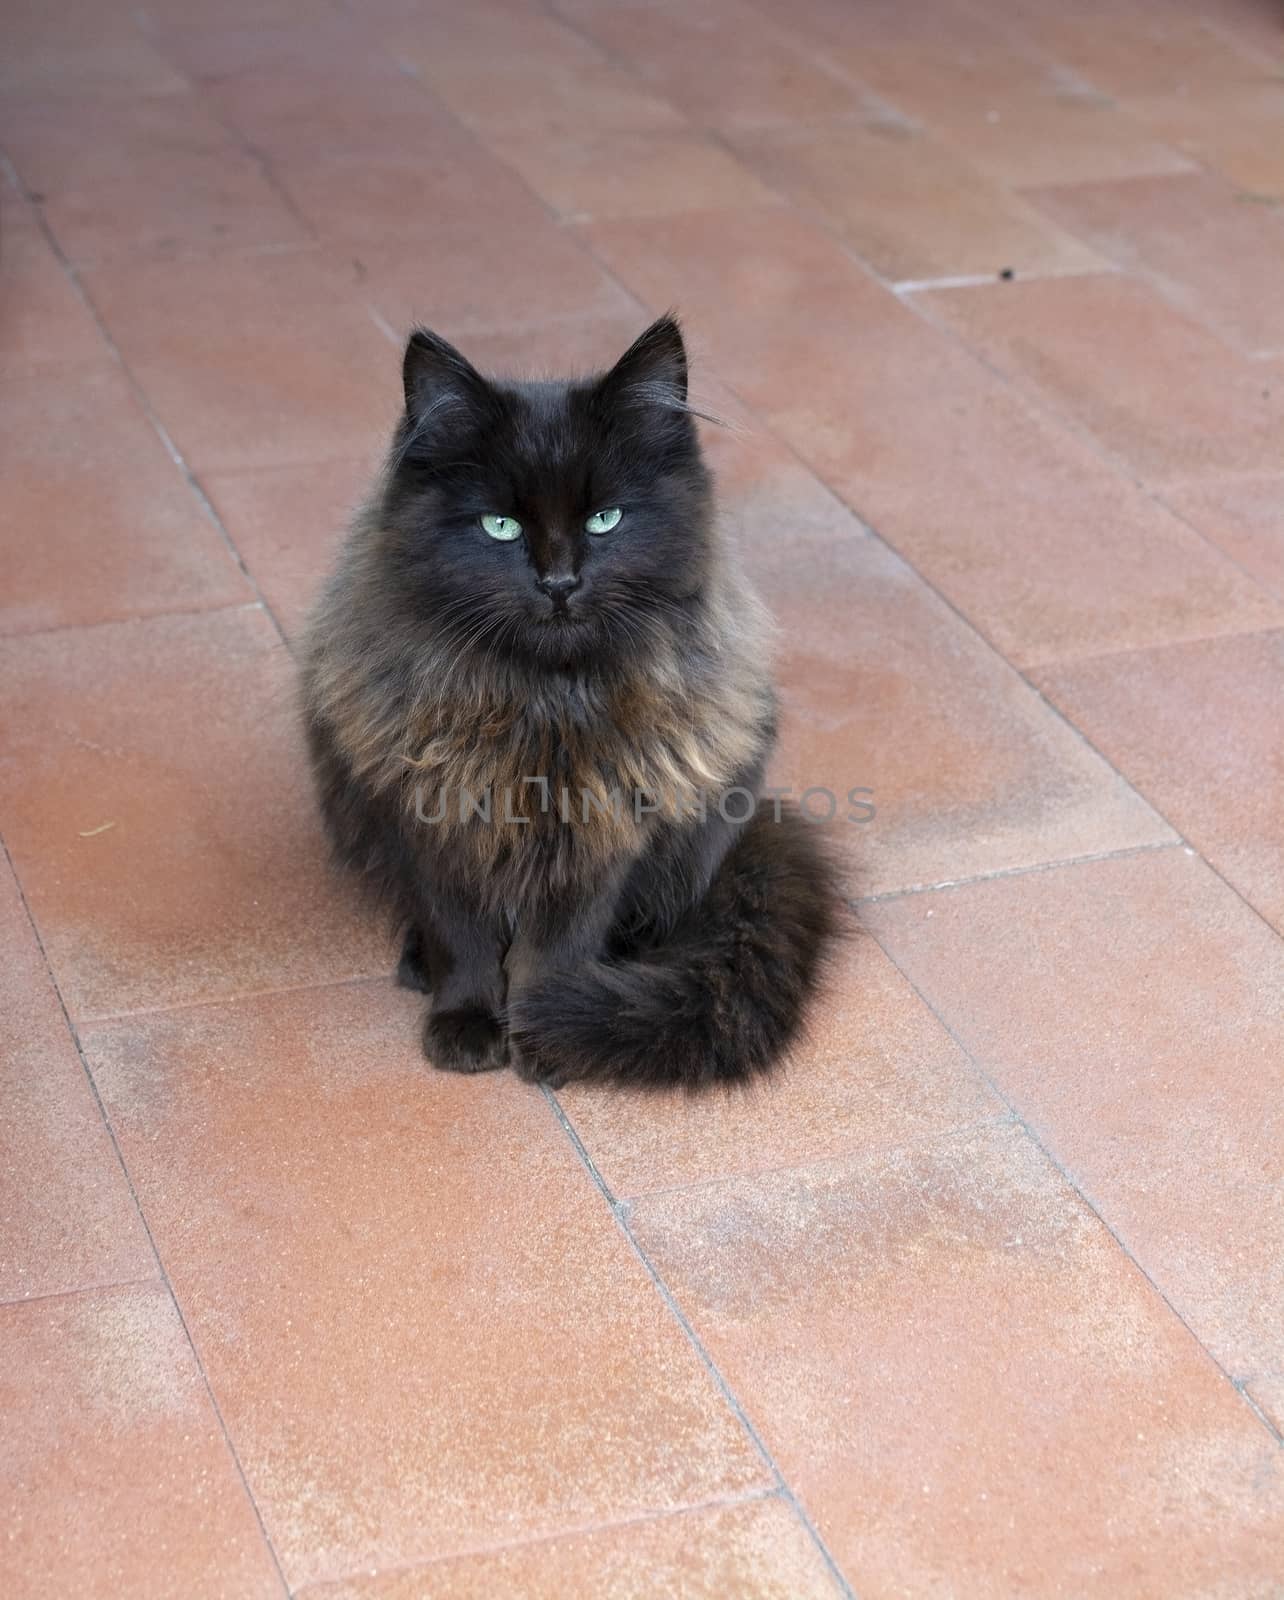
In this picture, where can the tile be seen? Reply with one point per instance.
(906, 205)
(359, 104)
(1140, 49)
(1054, 136)
(926, 1446)
(115, 1477)
(630, 175)
(287, 523)
(1047, 549)
(1153, 387)
(522, 71)
(1196, 728)
(1210, 252)
(757, 1551)
(253, 361)
(884, 689)
(44, 324)
(69, 1219)
(1130, 1009)
(98, 522)
(1009, 515)
(146, 177)
(876, 1069)
(471, 286)
(1245, 518)
(510, 1372)
(769, 301)
(1238, 131)
(761, 78)
(153, 879)
(118, 70)
(996, 102)
(401, 202)
(969, 774)
(211, 50)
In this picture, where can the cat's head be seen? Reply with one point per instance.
(555, 521)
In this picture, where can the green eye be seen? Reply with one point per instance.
(505, 528)
(604, 521)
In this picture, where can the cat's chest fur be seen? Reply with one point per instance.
(575, 767)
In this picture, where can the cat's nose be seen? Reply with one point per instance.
(558, 586)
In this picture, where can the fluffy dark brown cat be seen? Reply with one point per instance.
(537, 699)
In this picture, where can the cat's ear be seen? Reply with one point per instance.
(437, 379)
(653, 370)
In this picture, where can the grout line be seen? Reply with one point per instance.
(1020, 1120)
(235, 997)
(619, 1213)
(84, 1288)
(144, 400)
(317, 1587)
(1122, 854)
(146, 1226)
(1000, 1118)
(132, 619)
(1241, 1385)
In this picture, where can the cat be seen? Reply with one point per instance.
(537, 698)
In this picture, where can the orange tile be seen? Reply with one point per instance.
(1120, 1005)
(770, 302)
(1196, 728)
(725, 65)
(69, 1219)
(1151, 385)
(1209, 251)
(876, 1069)
(160, 816)
(115, 1478)
(99, 522)
(117, 70)
(1139, 49)
(996, 102)
(1049, 550)
(1054, 135)
(304, 107)
(908, 206)
(976, 1348)
(286, 523)
(756, 1551)
(1245, 518)
(419, 1350)
(1238, 131)
(631, 175)
(1009, 515)
(518, 70)
(253, 360)
(470, 286)
(384, 202)
(970, 772)
(144, 177)
(44, 324)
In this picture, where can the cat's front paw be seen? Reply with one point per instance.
(468, 1039)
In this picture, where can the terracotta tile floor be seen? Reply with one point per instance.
(985, 1296)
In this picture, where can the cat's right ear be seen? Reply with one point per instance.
(437, 379)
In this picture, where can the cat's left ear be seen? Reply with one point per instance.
(653, 370)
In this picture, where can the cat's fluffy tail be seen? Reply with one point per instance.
(721, 1000)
